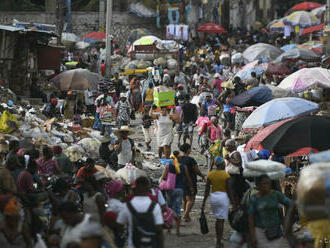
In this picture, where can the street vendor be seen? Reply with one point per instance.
(124, 146)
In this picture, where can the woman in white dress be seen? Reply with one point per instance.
(165, 122)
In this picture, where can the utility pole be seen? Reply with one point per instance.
(108, 40)
(327, 27)
(60, 11)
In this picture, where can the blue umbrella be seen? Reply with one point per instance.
(279, 109)
(253, 97)
(245, 73)
(288, 47)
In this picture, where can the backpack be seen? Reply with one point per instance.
(144, 228)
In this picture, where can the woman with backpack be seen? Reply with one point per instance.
(182, 179)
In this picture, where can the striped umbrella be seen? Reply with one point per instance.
(146, 40)
(303, 19)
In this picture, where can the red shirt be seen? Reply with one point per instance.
(103, 69)
(83, 173)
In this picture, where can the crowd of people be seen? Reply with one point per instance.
(48, 201)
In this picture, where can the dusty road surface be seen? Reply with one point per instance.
(191, 235)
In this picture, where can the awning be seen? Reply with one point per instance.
(313, 29)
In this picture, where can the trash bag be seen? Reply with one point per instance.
(160, 61)
(74, 152)
(172, 64)
(91, 146)
(203, 223)
(8, 123)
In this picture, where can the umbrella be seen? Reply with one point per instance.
(318, 12)
(277, 26)
(305, 151)
(306, 78)
(279, 92)
(279, 109)
(307, 131)
(77, 79)
(136, 34)
(303, 19)
(276, 69)
(129, 173)
(146, 40)
(288, 47)
(245, 73)
(261, 51)
(255, 141)
(94, 37)
(253, 97)
(299, 54)
(69, 38)
(237, 58)
(313, 29)
(211, 28)
(82, 45)
(306, 6)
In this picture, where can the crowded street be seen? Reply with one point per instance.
(168, 123)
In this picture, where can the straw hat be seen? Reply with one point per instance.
(124, 129)
(228, 85)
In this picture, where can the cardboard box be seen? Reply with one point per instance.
(164, 98)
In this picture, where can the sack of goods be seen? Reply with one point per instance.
(172, 64)
(164, 96)
(313, 192)
(274, 170)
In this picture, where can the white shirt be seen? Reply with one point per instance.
(72, 234)
(141, 205)
(197, 79)
(115, 205)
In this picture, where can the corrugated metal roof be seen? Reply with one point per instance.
(10, 28)
(16, 29)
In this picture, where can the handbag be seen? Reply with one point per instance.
(238, 220)
(203, 223)
(169, 183)
(273, 232)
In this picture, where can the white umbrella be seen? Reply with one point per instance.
(69, 38)
(279, 109)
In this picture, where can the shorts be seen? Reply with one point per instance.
(147, 134)
(220, 205)
(174, 200)
(188, 128)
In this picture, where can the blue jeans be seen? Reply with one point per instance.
(174, 200)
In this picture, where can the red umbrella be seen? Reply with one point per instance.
(306, 6)
(305, 151)
(95, 36)
(277, 69)
(255, 141)
(313, 29)
(211, 28)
